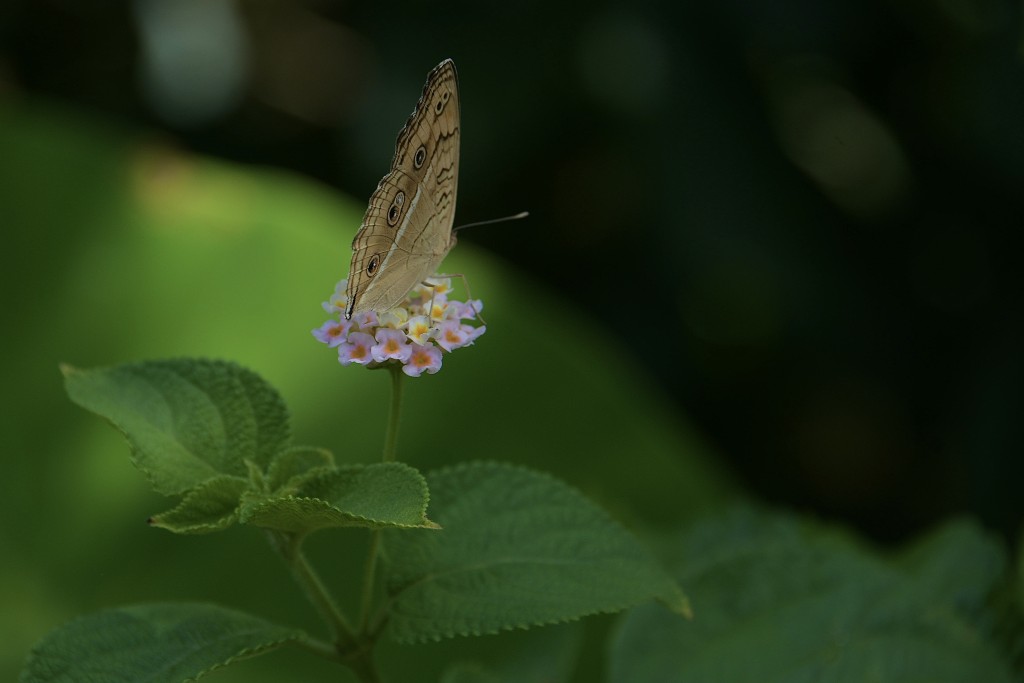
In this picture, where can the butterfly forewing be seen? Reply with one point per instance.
(407, 229)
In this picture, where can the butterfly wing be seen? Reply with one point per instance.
(407, 229)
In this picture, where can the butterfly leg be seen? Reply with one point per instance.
(469, 297)
(433, 293)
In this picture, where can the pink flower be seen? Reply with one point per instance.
(419, 329)
(366, 320)
(356, 349)
(440, 286)
(336, 304)
(412, 335)
(451, 336)
(423, 358)
(438, 305)
(472, 333)
(391, 344)
(396, 318)
(333, 332)
(471, 308)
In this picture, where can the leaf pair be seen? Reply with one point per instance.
(219, 435)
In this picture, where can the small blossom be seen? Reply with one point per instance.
(419, 329)
(451, 336)
(356, 349)
(458, 310)
(439, 285)
(366, 320)
(472, 333)
(391, 344)
(415, 334)
(423, 358)
(454, 335)
(333, 332)
(438, 305)
(396, 318)
(453, 311)
(336, 304)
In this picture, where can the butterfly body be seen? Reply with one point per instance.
(407, 229)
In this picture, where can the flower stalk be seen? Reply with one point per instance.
(390, 453)
(391, 435)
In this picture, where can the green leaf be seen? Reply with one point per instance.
(155, 643)
(518, 549)
(937, 560)
(780, 600)
(186, 420)
(383, 495)
(290, 467)
(211, 506)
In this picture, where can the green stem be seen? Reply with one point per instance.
(359, 660)
(391, 435)
(289, 548)
(369, 575)
(361, 663)
(390, 453)
(353, 652)
(319, 648)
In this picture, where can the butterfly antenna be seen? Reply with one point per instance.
(521, 214)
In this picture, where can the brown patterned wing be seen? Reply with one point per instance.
(407, 229)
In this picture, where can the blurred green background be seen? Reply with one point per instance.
(770, 248)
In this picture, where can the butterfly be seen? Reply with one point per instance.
(407, 229)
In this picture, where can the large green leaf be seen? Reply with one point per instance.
(381, 495)
(958, 562)
(777, 599)
(186, 420)
(518, 548)
(155, 643)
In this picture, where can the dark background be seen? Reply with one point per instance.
(798, 216)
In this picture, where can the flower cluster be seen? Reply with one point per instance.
(409, 334)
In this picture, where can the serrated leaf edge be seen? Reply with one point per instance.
(514, 627)
(68, 370)
(428, 524)
(154, 520)
(683, 609)
(274, 465)
(245, 654)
